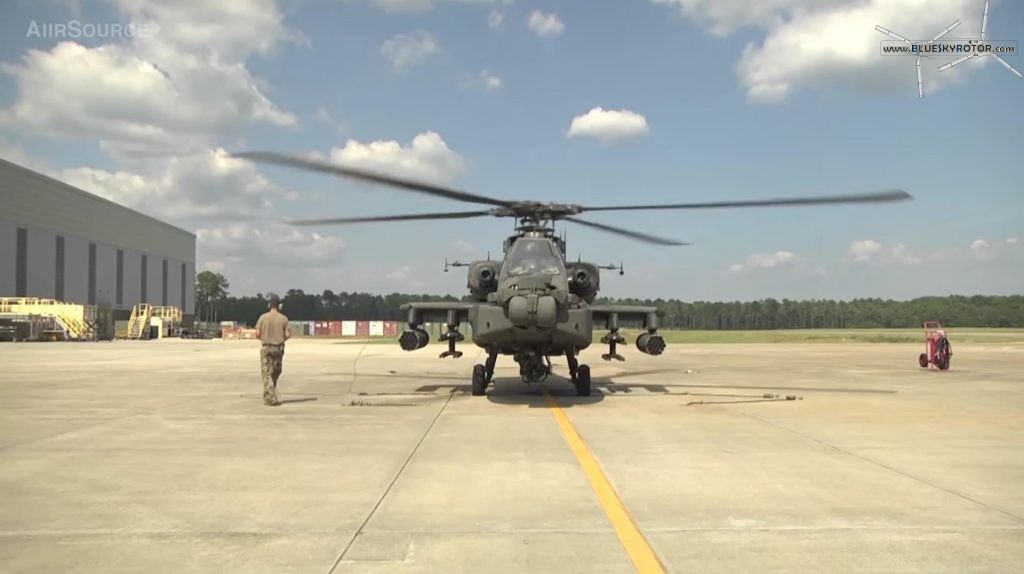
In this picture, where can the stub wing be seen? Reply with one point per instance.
(610, 315)
(417, 313)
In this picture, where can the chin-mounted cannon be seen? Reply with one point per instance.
(649, 342)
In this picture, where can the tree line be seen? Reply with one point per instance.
(954, 310)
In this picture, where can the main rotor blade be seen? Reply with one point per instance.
(1008, 66)
(631, 234)
(410, 217)
(949, 65)
(325, 167)
(894, 195)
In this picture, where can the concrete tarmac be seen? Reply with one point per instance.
(159, 456)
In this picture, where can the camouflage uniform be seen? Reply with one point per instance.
(271, 358)
(273, 331)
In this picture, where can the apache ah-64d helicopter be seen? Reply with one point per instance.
(532, 304)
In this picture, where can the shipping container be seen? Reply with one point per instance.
(376, 328)
(348, 328)
(335, 328)
(296, 328)
(390, 328)
(321, 328)
(362, 328)
(307, 328)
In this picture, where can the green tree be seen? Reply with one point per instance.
(211, 291)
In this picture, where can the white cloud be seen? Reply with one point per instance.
(497, 14)
(421, 6)
(1012, 240)
(764, 261)
(495, 18)
(427, 158)
(864, 250)
(266, 244)
(902, 254)
(401, 273)
(980, 249)
(485, 81)
(206, 185)
(828, 43)
(608, 125)
(545, 25)
(405, 50)
(404, 6)
(170, 90)
(726, 16)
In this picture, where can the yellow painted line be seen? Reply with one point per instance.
(639, 550)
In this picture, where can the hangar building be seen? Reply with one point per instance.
(59, 242)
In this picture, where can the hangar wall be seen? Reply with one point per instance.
(59, 242)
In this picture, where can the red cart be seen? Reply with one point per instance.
(937, 350)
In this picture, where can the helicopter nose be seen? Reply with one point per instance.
(533, 311)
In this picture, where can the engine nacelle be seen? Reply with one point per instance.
(584, 280)
(482, 278)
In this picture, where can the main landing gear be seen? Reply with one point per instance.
(533, 368)
(483, 374)
(580, 374)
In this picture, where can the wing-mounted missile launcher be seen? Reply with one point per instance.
(533, 304)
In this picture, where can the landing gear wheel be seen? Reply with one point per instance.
(479, 380)
(923, 361)
(583, 381)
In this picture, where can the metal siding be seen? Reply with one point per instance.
(163, 283)
(132, 278)
(8, 258)
(119, 279)
(59, 268)
(32, 199)
(190, 289)
(42, 248)
(106, 275)
(76, 281)
(92, 274)
(143, 279)
(153, 280)
(21, 263)
(181, 290)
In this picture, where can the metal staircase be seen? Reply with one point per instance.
(138, 324)
(69, 321)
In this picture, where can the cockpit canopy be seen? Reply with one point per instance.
(529, 255)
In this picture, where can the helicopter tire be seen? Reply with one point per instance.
(583, 381)
(479, 380)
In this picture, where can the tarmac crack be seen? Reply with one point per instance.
(391, 485)
(82, 428)
(894, 470)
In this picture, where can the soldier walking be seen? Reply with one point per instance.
(272, 331)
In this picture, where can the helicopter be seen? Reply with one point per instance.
(533, 303)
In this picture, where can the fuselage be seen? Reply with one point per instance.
(532, 306)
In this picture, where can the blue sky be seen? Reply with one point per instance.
(739, 100)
